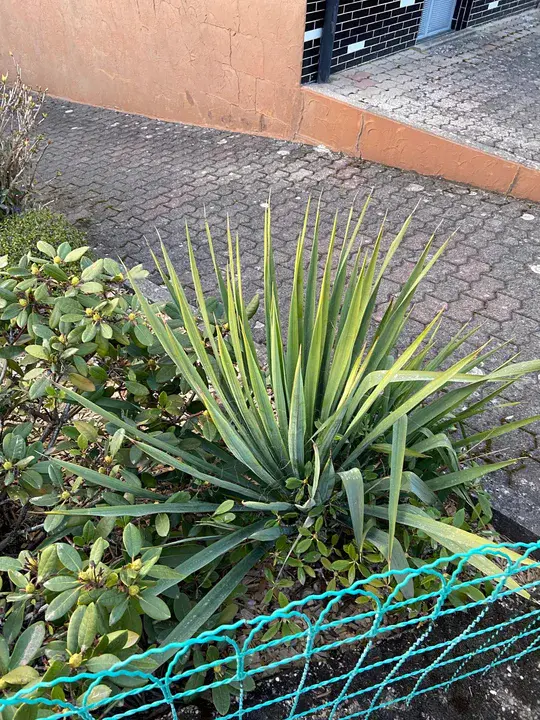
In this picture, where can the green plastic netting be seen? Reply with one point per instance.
(354, 653)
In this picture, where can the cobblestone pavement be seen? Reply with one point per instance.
(480, 86)
(124, 176)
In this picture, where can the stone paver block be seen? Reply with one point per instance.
(501, 307)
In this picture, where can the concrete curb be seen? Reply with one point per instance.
(513, 530)
(153, 291)
(351, 129)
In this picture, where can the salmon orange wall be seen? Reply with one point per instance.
(224, 63)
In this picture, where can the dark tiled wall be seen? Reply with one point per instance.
(314, 23)
(480, 12)
(384, 27)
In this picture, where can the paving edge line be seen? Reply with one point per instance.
(363, 134)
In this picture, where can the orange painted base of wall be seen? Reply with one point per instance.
(363, 134)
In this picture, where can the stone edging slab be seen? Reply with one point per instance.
(364, 134)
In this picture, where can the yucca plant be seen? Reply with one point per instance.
(343, 420)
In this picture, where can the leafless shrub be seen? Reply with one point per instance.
(21, 145)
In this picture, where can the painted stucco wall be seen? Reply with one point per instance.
(225, 63)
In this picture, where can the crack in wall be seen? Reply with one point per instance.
(359, 137)
(300, 119)
(514, 181)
